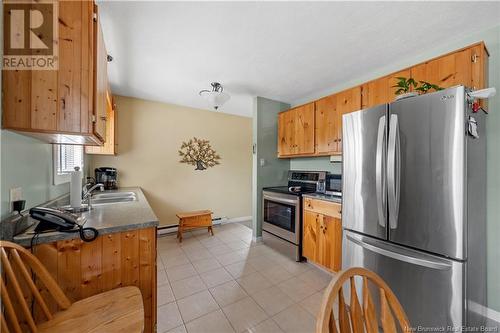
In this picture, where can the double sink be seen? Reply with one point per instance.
(102, 199)
(112, 198)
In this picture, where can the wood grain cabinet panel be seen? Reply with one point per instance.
(322, 233)
(110, 145)
(446, 71)
(58, 106)
(315, 129)
(286, 130)
(101, 83)
(381, 91)
(329, 251)
(326, 122)
(304, 129)
(296, 131)
(310, 235)
(347, 101)
(110, 261)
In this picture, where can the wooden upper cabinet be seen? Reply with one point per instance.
(375, 92)
(446, 71)
(347, 101)
(296, 131)
(327, 122)
(57, 106)
(109, 147)
(315, 129)
(285, 133)
(100, 82)
(479, 70)
(304, 129)
(381, 90)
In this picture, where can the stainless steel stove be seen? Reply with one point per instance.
(282, 211)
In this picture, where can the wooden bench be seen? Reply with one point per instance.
(193, 220)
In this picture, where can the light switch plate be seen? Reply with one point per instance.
(16, 193)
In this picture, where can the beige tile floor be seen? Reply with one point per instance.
(224, 283)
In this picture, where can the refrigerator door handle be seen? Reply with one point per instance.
(381, 247)
(380, 172)
(393, 171)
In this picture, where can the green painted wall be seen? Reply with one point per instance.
(274, 170)
(315, 164)
(26, 163)
(492, 39)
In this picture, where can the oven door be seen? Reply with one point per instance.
(281, 215)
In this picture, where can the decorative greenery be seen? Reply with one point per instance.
(404, 85)
(426, 86)
(199, 153)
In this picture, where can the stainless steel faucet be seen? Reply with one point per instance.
(87, 193)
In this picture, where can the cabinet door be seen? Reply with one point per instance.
(326, 121)
(376, 92)
(347, 101)
(329, 242)
(109, 147)
(381, 91)
(286, 129)
(447, 71)
(304, 129)
(101, 84)
(282, 144)
(310, 235)
(479, 71)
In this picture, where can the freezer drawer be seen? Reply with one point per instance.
(430, 289)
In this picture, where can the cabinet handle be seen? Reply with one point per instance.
(103, 118)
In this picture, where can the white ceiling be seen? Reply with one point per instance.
(168, 51)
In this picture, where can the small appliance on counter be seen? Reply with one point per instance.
(333, 184)
(107, 176)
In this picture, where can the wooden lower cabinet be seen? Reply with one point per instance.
(310, 235)
(329, 242)
(322, 234)
(114, 260)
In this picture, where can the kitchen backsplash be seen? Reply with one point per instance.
(315, 164)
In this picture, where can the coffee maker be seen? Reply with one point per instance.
(107, 176)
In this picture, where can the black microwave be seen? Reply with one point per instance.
(333, 185)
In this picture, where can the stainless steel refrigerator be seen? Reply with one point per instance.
(414, 203)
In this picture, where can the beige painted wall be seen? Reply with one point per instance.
(149, 137)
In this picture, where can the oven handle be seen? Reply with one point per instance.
(281, 200)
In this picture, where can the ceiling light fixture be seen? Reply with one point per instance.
(216, 97)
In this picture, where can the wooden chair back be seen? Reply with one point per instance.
(20, 268)
(355, 317)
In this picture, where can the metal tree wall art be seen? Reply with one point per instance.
(199, 153)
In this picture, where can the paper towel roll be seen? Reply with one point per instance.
(75, 191)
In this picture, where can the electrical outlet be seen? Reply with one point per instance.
(16, 193)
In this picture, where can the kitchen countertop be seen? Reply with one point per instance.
(326, 197)
(107, 219)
